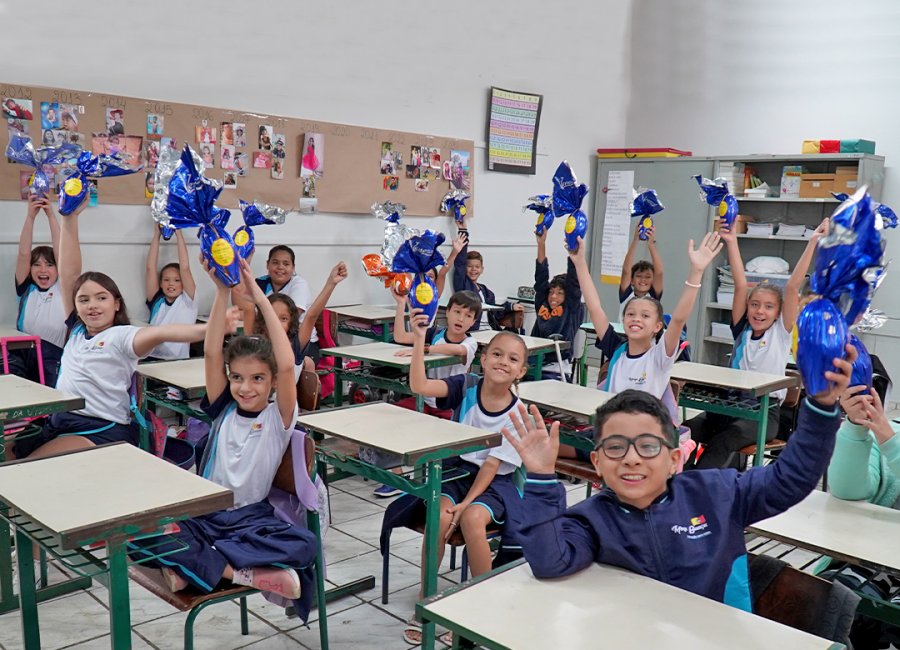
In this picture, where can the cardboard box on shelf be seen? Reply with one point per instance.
(845, 179)
(829, 146)
(816, 186)
(810, 146)
(739, 226)
(857, 146)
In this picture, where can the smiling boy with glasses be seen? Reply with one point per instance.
(686, 529)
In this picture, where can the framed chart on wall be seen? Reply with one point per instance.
(512, 131)
(279, 160)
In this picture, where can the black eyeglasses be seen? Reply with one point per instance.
(646, 445)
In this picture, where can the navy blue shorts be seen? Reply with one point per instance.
(491, 499)
(72, 424)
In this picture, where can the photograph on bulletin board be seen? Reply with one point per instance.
(512, 131)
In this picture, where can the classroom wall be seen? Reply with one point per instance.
(401, 65)
(760, 77)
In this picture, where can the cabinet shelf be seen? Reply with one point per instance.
(773, 237)
(779, 199)
(719, 305)
(718, 339)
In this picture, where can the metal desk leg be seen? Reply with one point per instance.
(582, 367)
(28, 613)
(432, 525)
(119, 608)
(338, 383)
(761, 426)
(420, 403)
(538, 367)
(8, 600)
(385, 333)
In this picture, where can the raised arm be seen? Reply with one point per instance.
(418, 381)
(151, 272)
(657, 263)
(700, 259)
(184, 265)
(460, 279)
(285, 384)
(26, 239)
(588, 290)
(401, 336)
(628, 262)
(541, 271)
(554, 544)
(337, 275)
(790, 306)
(69, 262)
(53, 223)
(854, 472)
(763, 492)
(213, 344)
(459, 244)
(739, 306)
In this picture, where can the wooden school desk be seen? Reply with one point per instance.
(857, 532)
(700, 378)
(21, 398)
(100, 494)
(367, 321)
(187, 375)
(601, 606)
(591, 332)
(535, 346)
(579, 402)
(423, 441)
(381, 355)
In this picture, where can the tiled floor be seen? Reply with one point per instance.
(81, 620)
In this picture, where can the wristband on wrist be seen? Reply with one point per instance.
(692, 286)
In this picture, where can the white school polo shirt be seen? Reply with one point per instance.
(648, 372)
(298, 289)
(41, 313)
(434, 337)
(99, 369)
(769, 353)
(464, 396)
(248, 451)
(182, 311)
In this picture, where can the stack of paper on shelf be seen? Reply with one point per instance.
(760, 229)
(791, 229)
(733, 172)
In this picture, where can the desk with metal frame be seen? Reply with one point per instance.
(601, 606)
(857, 532)
(579, 402)
(588, 328)
(703, 386)
(534, 345)
(96, 495)
(381, 355)
(21, 398)
(187, 375)
(368, 321)
(421, 440)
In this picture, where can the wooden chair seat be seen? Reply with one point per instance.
(186, 599)
(772, 445)
(575, 468)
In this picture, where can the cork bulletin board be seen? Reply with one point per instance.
(346, 168)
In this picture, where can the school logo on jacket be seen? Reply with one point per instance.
(696, 529)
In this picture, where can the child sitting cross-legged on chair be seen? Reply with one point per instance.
(248, 544)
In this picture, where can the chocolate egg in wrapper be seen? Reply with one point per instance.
(21, 150)
(822, 334)
(644, 205)
(75, 188)
(715, 193)
(542, 205)
(568, 194)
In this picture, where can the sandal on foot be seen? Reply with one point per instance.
(446, 638)
(413, 630)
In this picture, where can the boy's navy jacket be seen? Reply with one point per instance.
(565, 319)
(692, 536)
(461, 282)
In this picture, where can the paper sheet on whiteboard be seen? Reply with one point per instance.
(616, 224)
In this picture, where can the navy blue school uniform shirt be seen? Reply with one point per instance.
(461, 282)
(564, 319)
(692, 536)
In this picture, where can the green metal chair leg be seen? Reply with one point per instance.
(245, 625)
(312, 519)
